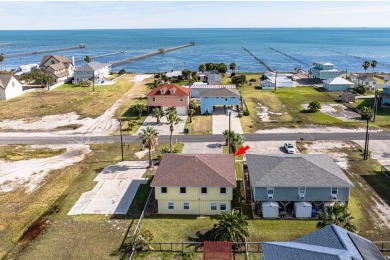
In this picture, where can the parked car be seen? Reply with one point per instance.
(289, 147)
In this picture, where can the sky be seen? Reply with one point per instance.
(46, 15)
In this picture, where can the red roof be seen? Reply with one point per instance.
(179, 91)
(217, 250)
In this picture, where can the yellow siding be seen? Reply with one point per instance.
(194, 193)
(196, 207)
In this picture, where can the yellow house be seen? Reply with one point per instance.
(195, 184)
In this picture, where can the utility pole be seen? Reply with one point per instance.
(120, 130)
(48, 81)
(375, 103)
(93, 81)
(276, 75)
(365, 154)
(229, 141)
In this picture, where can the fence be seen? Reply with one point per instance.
(197, 247)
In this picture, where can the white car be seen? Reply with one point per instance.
(289, 147)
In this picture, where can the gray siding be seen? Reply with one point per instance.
(291, 194)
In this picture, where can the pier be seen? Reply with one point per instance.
(80, 46)
(291, 57)
(4, 44)
(360, 58)
(259, 60)
(146, 55)
(103, 55)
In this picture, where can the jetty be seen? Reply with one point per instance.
(291, 57)
(80, 46)
(103, 55)
(146, 55)
(259, 60)
(360, 58)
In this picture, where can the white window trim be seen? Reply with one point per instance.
(173, 205)
(220, 205)
(301, 193)
(331, 191)
(153, 99)
(184, 203)
(270, 189)
(185, 188)
(204, 192)
(211, 205)
(220, 192)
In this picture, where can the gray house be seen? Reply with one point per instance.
(329, 243)
(92, 70)
(293, 179)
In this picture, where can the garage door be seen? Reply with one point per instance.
(181, 110)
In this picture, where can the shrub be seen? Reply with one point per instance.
(360, 89)
(314, 106)
(233, 74)
(252, 80)
(122, 71)
(239, 80)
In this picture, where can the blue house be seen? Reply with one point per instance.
(323, 70)
(337, 84)
(218, 97)
(386, 96)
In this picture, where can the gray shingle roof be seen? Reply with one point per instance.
(366, 78)
(330, 242)
(91, 66)
(220, 92)
(5, 78)
(298, 170)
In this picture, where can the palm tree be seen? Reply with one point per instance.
(226, 135)
(130, 126)
(367, 113)
(337, 214)
(87, 59)
(191, 113)
(232, 66)
(172, 119)
(232, 226)
(170, 110)
(193, 104)
(373, 65)
(149, 137)
(158, 113)
(366, 64)
(236, 141)
(1, 59)
(202, 67)
(140, 107)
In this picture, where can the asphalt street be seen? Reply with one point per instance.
(75, 139)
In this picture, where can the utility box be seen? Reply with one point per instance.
(270, 209)
(302, 209)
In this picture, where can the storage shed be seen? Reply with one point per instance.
(302, 209)
(270, 209)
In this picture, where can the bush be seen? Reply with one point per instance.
(252, 80)
(240, 114)
(232, 74)
(122, 71)
(239, 80)
(314, 106)
(360, 89)
(246, 112)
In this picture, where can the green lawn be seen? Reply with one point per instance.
(383, 115)
(201, 124)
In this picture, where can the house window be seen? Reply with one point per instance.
(204, 190)
(222, 206)
(223, 190)
(171, 205)
(302, 190)
(270, 190)
(334, 191)
(186, 205)
(154, 99)
(225, 99)
(181, 99)
(164, 190)
(183, 190)
(213, 206)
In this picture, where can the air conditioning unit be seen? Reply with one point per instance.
(334, 196)
(301, 196)
(270, 196)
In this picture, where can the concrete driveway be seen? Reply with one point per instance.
(205, 148)
(380, 150)
(163, 127)
(115, 190)
(268, 147)
(221, 122)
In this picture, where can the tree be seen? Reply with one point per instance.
(239, 80)
(122, 71)
(360, 89)
(232, 66)
(366, 64)
(191, 113)
(158, 113)
(232, 226)
(367, 113)
(337, 214)
(209, 66)
(194, 76)
(236, 141)
(186, 74)
(193, 104)
(140, 108)
(226, 135)
(130, 126)
(2, 57)
(373, 65)
(314, 106)
(38, 76)
(87, 59)
(222, 68)
(149, 137)
(172, 119)
(202, 67)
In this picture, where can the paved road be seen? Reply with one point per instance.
(195, 138)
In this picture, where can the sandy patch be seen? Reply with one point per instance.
(140, 77)
(31, 173)
(264, 113)
(338, 111)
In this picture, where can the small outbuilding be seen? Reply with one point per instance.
(348, 97)
(270, 209)
(302, 209)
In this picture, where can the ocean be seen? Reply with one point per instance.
(347, 48)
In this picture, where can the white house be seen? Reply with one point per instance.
(282, 80)
(59, 67)
(337, 84)
(367, 81)
(92, 70)
(10, 87)
(267, 84)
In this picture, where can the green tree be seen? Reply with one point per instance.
(360, 89)
(140, 108)
(2, 57)
(337, 214)
(149, 137)
(172, 119)
(314, 106)
(158, 113)
(222, 68)
(193, 104)
(366, 64)
(226, 135)
(194, 77)
(232, 226)
(239, 80)
(202, 67)
(87, 59)
(373, 65)
(191, 113)
(232, 67)
(130, 126)
(186, 74)
(122, 71)
(38, 76)
(236, 141)
(367, 113)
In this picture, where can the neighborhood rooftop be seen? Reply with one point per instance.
(93, 65)
(212, 86)
(196, 170)
(179, 90)
(307, 170)
(337, 80)
(220, 92)
(5, 78)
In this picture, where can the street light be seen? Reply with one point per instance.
(229, 141)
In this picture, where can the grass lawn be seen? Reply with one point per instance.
(65, 99)
(23, 152)
(383, 115)
(201, 124)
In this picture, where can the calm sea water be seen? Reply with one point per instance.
(212, 45)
